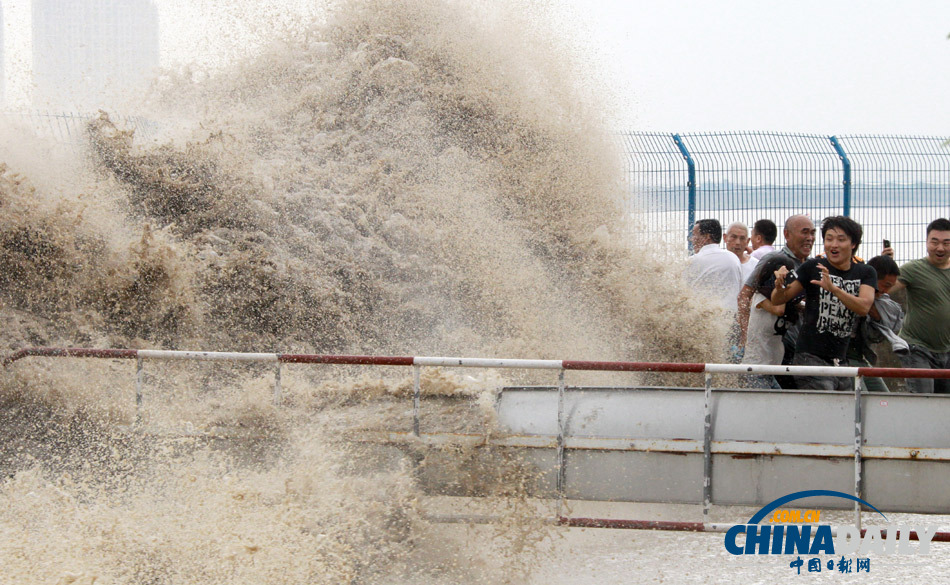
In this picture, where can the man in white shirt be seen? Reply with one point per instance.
(763, 236)
(737, 240)
(713, 272)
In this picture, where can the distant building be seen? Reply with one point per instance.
(89, 54)
(3, 73)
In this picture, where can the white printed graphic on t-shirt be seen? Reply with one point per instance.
(833, 316)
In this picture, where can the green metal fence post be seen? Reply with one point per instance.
(846, 181)
(691, 184)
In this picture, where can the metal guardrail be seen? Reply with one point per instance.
(893, 185)
(560, 366)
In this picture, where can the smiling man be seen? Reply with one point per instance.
(799, 235)
(838, 290)
(927, 325)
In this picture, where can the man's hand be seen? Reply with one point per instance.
(825, 281)
(780, 277)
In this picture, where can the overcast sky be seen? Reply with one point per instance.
(824, 66)
(828, 66)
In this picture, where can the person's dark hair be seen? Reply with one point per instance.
(941, 225)
(767, 229)
(765, 280)
(845, 224)
(885, 266)
(712, 228)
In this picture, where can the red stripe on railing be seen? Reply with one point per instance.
(912, 535)
(632, 366)
(17, 355)
(631, 524)
(603, 366)
(903, 373)
(690, 526)
(291, 358)
(80, 352)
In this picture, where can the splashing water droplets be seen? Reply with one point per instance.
(407, 178)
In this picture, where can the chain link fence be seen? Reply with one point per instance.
(68, 128)
(892, 185)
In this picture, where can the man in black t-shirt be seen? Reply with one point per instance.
(838, 290)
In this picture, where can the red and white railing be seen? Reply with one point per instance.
(602, 366)
(535, 364)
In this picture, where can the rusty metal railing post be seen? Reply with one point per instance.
(138, 390)
(416, 399)
(559, 483)
(707, 449)
(858, 445)
(277, 389)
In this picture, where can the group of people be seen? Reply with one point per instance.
(791, 308)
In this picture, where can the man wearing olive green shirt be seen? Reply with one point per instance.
(927, 325)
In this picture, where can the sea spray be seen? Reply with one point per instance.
(243, 491)
(384, 184)
(399, 180)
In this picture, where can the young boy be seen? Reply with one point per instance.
(838, 290)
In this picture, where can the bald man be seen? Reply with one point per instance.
(799, 235)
